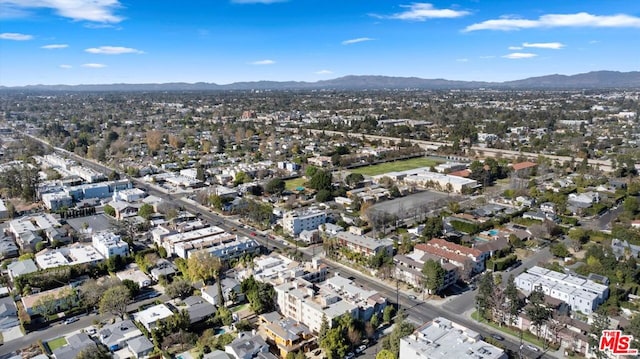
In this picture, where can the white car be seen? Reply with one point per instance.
(532, 348)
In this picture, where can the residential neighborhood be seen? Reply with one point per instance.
(209, 225)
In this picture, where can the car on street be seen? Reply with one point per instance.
(412, 297)
(350, 355)
(497, 336)
(532, 348)
(70, 320)
(361, 349)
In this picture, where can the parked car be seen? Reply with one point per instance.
(70, 320)
(497, 337)
(350, 355)
(532, 348)
(412, 297)
(361, 349)
(317, 352)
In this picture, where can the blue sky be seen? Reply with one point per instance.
(224, 41)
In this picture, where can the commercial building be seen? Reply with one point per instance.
(580, 293)
(424, 178)
(442, 338)
(295, 222)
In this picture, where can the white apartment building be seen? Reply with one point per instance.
(298, 300)
(295, 222)
(442, 338)
(76, 253)
(87, 174)
(3, 210)
(581, 294)
(110, 244)
(56, 200)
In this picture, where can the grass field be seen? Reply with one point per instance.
(57, 343)
(292, 184)
(395, 166)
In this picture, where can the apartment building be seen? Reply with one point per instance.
(442, 338)
(456, 254)
(363, 244)
(109, 244)
(580, 293)
(295, 222)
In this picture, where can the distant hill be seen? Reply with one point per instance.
(590, 80)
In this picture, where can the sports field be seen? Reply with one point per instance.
(292, 184)
(395, 166)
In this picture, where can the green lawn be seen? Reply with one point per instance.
(292, 184)
(526, 335)
(56, 343)
(395, 166)
(240, 307)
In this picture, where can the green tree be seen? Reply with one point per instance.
(600, 322)
(432, 228)
(385, 354)
(400, 330)
(434, 276)
(94, 352)
(353, 180)
(310, 171)
(146, 211)
(484, 295)
(323, 195)
(513, 300)
(115, 300)
(110, 211)
(215, 201)
(387, 313)
(321, 180)
(224, 316)
(275, 186)
(324, 327)
(179, 288)
(374, 321)
(537, 311)
(559, 250)
(133, 287)
(240, 178)
(204, 266)
(334, 344)
(630, 205)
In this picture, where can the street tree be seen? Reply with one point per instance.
(537, 312)
(433, 276)
(115, 300)
(204, 266)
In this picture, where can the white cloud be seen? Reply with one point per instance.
(54, 46)
(356, 40)
(544, 45)
(424, 11)
(324, 72)
(79, 10)
(257, 1)
(65, 66)
(112, 50)
(487, 57)
(519, 55)
(462, 60)
(515, 47)
(581, 19)
(15, 36)
(262, 62)
(94, 66)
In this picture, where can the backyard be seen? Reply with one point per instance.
(56, 343)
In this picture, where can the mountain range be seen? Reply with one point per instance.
(590, 80)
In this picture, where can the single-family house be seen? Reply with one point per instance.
(140, 347)
(18, 268)
(246, 346)
(198, 308)
(115, 336)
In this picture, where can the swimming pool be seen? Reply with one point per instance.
(494, 232)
